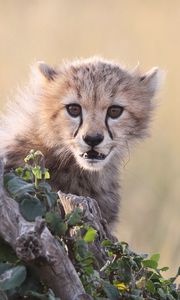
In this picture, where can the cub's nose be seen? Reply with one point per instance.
(93, 140)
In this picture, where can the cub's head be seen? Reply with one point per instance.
(93, 109)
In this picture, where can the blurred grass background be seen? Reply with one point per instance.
(129, 32)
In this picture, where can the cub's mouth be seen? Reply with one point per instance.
(93, 155)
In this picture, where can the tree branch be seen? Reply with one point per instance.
(92, 217)
(32, 241)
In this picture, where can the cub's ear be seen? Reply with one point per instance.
(151, 81)
(43, 71)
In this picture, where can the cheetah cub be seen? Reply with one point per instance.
(83, 116)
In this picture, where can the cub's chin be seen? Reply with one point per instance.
(92, 160)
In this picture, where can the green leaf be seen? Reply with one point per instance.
(75, 217)
(88, 268)
(44, 186)
(8, 177)
(4, 267)
(164, 269)
(81, 249)
(55, 223)
(46, 174)
(155, 257)
(124, 269)
(31, 283)
(19, 171)
(31, 207)
(37, 172)
(148, 263)
(90, 235)
(111, 291)
(12, 278)
(51, 198)
(161, 293)
(30, 156)
(27, 175)
(106, 243)
(18, 187)
(150, 286)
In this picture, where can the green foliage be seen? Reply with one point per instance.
(12, 277)
(90, 235)
(57, 226)
(75, 217)
(28, 186)
(31, 207)
(125, 275)
(135, 276)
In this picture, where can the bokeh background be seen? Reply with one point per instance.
(128, 31)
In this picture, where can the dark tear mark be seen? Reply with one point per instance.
(80, 124)
(107, 125)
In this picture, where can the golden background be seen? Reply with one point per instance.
(128, 32)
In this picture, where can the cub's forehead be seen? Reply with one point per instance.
(97, 71)
(96, 78)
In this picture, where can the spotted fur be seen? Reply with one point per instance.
(38, 119)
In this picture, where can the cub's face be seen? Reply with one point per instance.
(93, 109)
(95, 138)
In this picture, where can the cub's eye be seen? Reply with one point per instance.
(114, 111)
(74, 110)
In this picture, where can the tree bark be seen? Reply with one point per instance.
(92, 217)
(32, 242)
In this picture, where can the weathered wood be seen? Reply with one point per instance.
(91, 212)
(92, 216)
(33, 240)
